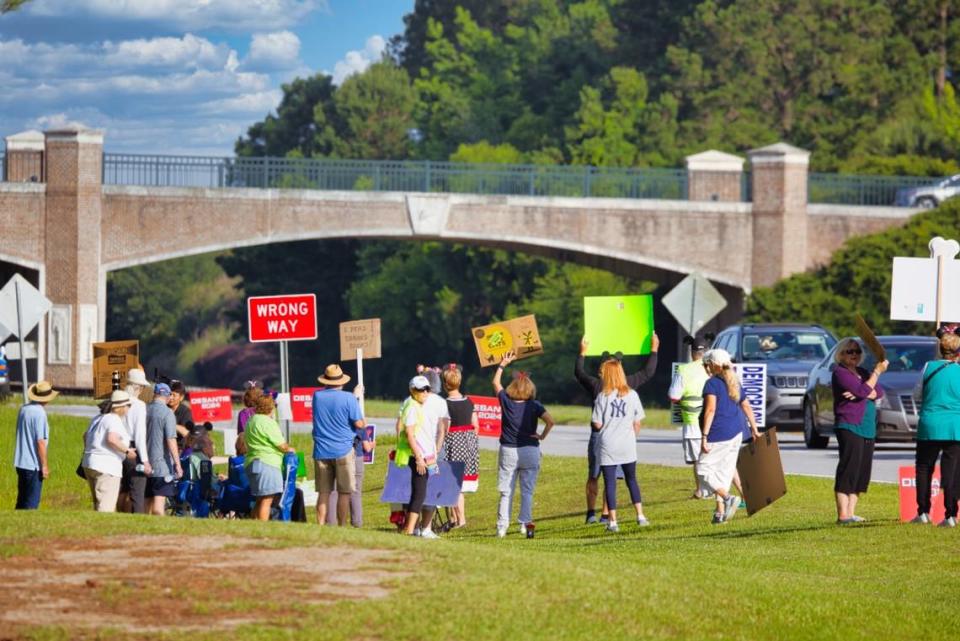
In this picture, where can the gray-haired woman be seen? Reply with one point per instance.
(725, 408)
(106, 444)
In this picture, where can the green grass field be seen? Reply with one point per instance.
(788, 572)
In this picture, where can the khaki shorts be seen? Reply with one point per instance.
(342, 469)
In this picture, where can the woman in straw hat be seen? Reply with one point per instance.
(106, 444)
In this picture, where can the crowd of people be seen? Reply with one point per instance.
(134, 453)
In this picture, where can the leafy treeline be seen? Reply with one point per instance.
(864, 84)
(857, 280)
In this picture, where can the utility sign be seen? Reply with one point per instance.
(282, 318)
(694, 302)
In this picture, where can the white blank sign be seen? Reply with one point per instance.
(913, 292)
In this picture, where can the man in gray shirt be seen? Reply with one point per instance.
(162, 450)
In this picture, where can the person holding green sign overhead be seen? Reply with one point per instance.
(592, 385)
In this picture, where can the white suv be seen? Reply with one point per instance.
(929, 196)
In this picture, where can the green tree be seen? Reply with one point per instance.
(375, 111)
(11, 5)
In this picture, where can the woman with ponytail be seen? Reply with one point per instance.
(617, 416)
(725, 408)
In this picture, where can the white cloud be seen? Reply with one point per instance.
(230, 15)
(56, 121)
(357, 61)
(279, 50)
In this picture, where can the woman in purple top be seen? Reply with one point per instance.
(855, 425)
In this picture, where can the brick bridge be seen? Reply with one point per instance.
(68, 231)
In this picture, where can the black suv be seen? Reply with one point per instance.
(789, 351)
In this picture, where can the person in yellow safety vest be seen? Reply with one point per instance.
(686, 390)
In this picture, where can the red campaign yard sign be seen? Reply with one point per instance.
(282, 318)
(301, 403)
(488, 411)
(212, 405)
(908, 494)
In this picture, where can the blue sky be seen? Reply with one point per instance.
(176, 76)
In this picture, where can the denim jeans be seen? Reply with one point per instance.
(513, 462)
(29, 484)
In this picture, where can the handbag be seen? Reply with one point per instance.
(80, 471)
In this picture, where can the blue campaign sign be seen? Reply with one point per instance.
(443, 489)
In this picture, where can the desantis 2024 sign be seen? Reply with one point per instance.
(282, 318)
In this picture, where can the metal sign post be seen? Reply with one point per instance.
(285, 381)
(23, 348)
(363, 412)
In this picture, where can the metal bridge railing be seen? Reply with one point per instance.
(861, 190)
(386, 175)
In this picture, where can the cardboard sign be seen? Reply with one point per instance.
(282, 318)
(908, 494)
(490, 414)
(214, 405)
(518, 335)
(618, 324)
(301, 403)
(360, 334)
(370, 435)
(753, 380)
(869, 338)
(761, 472)
(113, 356)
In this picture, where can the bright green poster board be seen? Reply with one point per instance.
(618, 324)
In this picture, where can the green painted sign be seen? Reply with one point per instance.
(618, 324)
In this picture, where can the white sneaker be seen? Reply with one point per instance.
(948, 522)
(429, 534)
(642, 521)
(523, 529)
(921, 519)
(613, 527)
(501, 532)
(730, 505)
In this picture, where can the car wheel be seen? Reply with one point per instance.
(927, 202)
(811, 438)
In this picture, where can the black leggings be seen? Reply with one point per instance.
(610, 482)
(854, 464)
(927, 452)
(418, 487)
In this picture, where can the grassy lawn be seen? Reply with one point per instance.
(786, 573)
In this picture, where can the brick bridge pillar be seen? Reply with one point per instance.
(74, 169)
(714, 175)
(779, 175)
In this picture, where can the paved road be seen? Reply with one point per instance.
(662, 447)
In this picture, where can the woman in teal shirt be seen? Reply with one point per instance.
(939, 431)
(265, 450)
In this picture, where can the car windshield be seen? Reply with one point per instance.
(775, 345)
(903, 357)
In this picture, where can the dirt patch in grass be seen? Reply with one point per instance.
(143, 584)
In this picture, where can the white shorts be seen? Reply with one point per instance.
(691, 450)
(717, 467)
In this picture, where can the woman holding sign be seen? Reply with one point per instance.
(725, 406)
(519, 445)
(939, 430)
(855, 425)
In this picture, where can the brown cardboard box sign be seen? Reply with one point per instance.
(761, 472)
(121, 356)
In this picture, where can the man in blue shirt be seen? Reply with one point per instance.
(336, 418)
(30, 452)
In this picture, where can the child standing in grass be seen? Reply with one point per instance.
(519, 445)
(617, 415)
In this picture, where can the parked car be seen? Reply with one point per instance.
(897, 412)
(928, 196)
(789, 351)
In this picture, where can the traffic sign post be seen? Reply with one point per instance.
(28, 306)
(694, 302)
(284, 318)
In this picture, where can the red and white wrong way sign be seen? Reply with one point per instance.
(282, 318)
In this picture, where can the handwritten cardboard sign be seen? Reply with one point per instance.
(121, 356)
(360, 334)
(518, 335)
(489, 413)
(869, 338)
(211, 405)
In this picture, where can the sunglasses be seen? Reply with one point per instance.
(853, 351)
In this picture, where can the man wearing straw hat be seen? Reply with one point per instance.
(336, 419)
(30, 452)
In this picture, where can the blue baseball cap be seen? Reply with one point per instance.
(161, 389)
